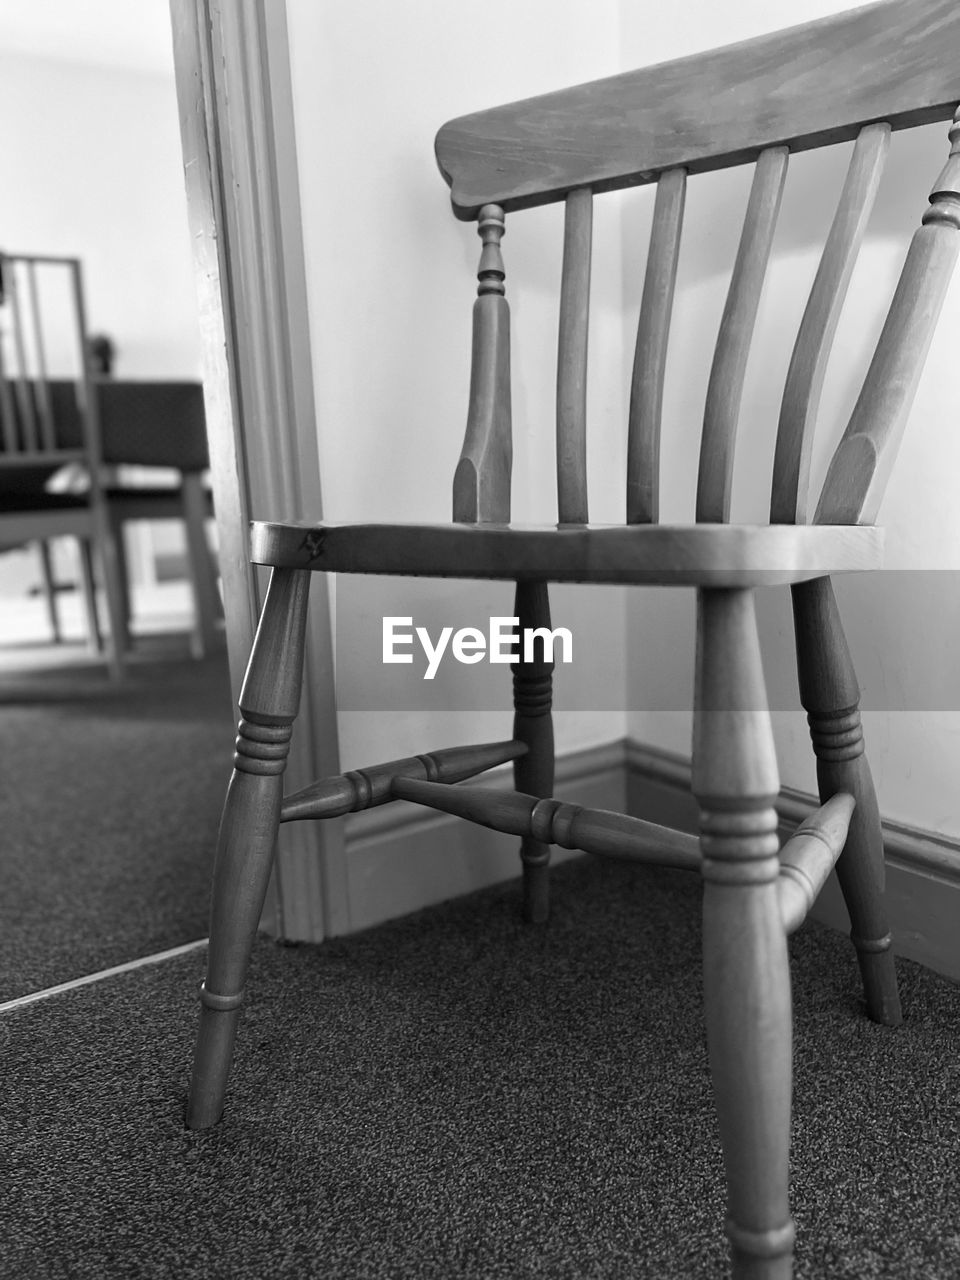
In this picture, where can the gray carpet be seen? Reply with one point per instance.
(457, 1094)
(110, 796)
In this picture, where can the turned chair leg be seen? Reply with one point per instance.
(248, 831)
(533, 724)
(745, 963)
(831, 696)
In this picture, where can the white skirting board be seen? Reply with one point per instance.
(401, 858)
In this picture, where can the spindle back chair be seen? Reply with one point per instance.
(849, 78)
(45, 383)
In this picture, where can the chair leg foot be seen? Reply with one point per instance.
(536, 892)
(861, 870)
(879, 981)
(248, 832)
(749, 1033)
(212, 1060)
(761, 1255)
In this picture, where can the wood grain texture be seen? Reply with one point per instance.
(745, 967)
(830, 695)
(572, 506)
(808, 364)
(727, 373)
(722, 555)
(860, 467)
(802, 87)
(650, 355)
(371, 786)
(481, 484)
(808, 857)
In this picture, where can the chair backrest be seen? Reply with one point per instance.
(851, 77)
(48, 405)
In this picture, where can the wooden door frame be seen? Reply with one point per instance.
(237, 129)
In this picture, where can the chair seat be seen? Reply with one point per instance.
(720, 555)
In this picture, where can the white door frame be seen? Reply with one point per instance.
(236, 118)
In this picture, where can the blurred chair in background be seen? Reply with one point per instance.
(70, 443)
(42, 325)
(162, 425)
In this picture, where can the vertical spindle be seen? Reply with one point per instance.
(572, 359)
(481, 484)
(650, 355)
(861, 465)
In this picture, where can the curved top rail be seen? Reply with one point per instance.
(821, 82)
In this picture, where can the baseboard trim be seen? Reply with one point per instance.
(401, 858)
(923, 868)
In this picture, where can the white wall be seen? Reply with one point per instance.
(92, 167)
(391, 278)
(901, 625)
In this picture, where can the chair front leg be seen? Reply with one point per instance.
(745, 963)
(831, 697)
(533, 724)
(248, 832)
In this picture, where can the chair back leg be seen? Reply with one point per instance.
(831, 697)
(533, 724)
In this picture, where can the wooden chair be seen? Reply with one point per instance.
(42, 316)
(852, 77)
(154, 425)
(120, 423)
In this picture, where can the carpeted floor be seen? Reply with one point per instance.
(456, 1094)
(110, 796)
